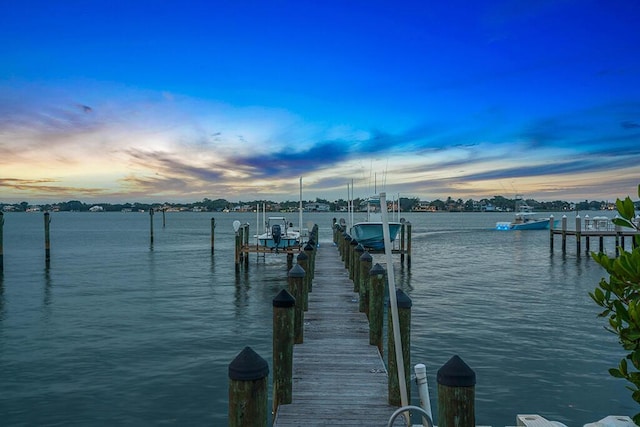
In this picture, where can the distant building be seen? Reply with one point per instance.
(316, 207)
(96, 208)
(424, 207)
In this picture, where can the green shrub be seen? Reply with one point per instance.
(620, 298)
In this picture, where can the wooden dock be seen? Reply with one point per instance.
(596, 228)
(338, 378)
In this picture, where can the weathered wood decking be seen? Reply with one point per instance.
(338, 378)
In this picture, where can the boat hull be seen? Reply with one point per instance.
(370, 234)
(285, 242)
(541, 224)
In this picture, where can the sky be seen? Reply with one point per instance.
(177, 101)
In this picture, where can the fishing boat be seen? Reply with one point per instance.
(369, 233)
(279, 234)
(525, 218)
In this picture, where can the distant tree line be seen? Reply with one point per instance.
(497, 203)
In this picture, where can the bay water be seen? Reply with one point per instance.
(119, 331)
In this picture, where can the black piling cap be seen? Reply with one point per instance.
(284, 300)
(308, 247)
(312, 242)
(347, 237)
(366, 257)
(376, 270)
(403, 300)
(302, 256)
(456, 373)
(296, 271)
(353, 242)
(248, 366)
(359, 248)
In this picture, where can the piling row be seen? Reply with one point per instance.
(588, 231)
(333, 379)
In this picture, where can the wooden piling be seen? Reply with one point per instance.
(578, 234)
(456, 394)
(164, 221)
(1, 242)
(303, 262)
(404, 318)
(310, 250)
(47, 240)
(213, 233)
(248, 395)
(352, 258)
(347, 251)
(564, 234)
(403, 229)
(295, 282)
(151, 226)
(245, 242)
(283, 321)
(376, 308)
(408, 244)
(363, 289)
(238, 251)
(551, 233)
(357, 253)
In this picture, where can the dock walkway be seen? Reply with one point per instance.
(338, 378)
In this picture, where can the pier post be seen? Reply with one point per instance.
(151, 226)
(310, 250)
(352, 258)
(601, 243)
(404, 317)
(551, 233)
(408, 245)
(213, 233)
(248, 374)
(456, 394)
(587, 240)
(303, 262)
(347, 251)
(365, 266)
(283, 318)
(1, 242)
(618, 232)
(245, 243)
(47, 240)
(357, 252)
(376, 309)
(402, 241)
(164, 222)
(578, 233)
(236, 226)
(295, 282)
(341, 244)
(564, 234)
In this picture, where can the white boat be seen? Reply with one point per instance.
(369, 233)
(525, 218)
(279, 234)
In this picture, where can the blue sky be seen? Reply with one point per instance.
(178, 101)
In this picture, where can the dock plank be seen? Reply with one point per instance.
(338, 378)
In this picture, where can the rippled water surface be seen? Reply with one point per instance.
(118, 331)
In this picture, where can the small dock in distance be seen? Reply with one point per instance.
(338, 377)
(597, 228)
